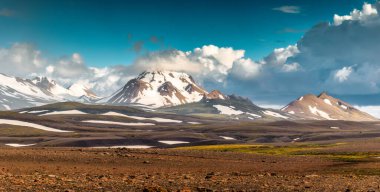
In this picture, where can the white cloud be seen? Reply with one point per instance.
(271, 106)
(291, 67)
(288, 9)
(23, 58)
(209, 62)
(332, 54)
(368, 11)
(245, 69)
(343, 74)
(173, 60)
(225, 56)
(372, 110)
(49, 69)
(325, 57)
(280, 55)
(70, 67)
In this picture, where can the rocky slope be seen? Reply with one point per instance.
(232, 106)
(159, 88)
(325, 107)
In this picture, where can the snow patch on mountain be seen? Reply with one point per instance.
(117, 123)
(321, 113)
(157, 119)
(227, 110)
(327, 101)
(33, 125)
(68, 112)
(274, 114)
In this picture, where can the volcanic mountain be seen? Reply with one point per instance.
(160, 88)
(325, 107)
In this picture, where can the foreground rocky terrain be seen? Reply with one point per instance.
(77, 147)
(338, 167)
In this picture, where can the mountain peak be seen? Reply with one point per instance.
(44, 82)
(323, 94)
(325, 107)
(159, 88)
(215, 94)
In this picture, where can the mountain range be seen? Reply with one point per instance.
(20, 93)
(173, 92)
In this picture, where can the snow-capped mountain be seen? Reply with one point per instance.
(159, 88)
(73, 92)
(325, 107)
(178, 93)
(18, 93)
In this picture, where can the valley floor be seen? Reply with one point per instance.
(335, 167)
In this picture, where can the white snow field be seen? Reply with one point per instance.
(227, 110)
(227, 138)
(173, 142)
(117, 123)
(19, 145)
(274, 114)
(68, 112)
(157, 119)
(33, 125)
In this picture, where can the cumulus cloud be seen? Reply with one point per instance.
(343, 74)
(26, 61)
(245, 69)
(209, 62)
(290, 67)
(349, 51)
(21, 59)
(280, 55)
(288, 9)
(68, 67)
(341, 58)
(367, 13)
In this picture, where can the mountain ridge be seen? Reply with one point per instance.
(18, 93)
(173, 91)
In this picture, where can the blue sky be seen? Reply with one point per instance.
(104, 32)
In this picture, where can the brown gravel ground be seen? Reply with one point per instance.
(75, 169)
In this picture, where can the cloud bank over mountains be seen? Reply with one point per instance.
(341, 57)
